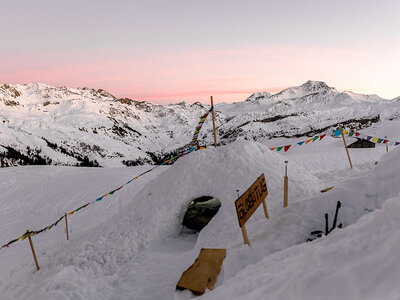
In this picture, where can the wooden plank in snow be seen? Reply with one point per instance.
(203, 273)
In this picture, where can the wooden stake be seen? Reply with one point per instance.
(345, 146)
(285, 187)
(265, 209)
(213, 120)
(66, 226)
(327, 189)
(387, 147)
(33, 251)
(245, 237)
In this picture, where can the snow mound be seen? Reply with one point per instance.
(159, 208)
(357, 262)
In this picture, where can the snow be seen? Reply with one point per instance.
(131, 245)
(83, 122)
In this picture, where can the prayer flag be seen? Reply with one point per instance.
(337, 132)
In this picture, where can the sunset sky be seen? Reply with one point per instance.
(169, 51)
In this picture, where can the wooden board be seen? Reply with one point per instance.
(327, 189)
(247, 204)
(203, 273)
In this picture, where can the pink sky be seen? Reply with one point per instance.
(187, 52)
(228, 75)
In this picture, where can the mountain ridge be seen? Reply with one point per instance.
(44, 124)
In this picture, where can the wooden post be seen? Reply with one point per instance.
(345, 146)
(33, 251)
(245, 237)
(66, 226)
(387, 147)
(285, 187)
(265, 209)
(213, 121)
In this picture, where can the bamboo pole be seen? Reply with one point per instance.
(33, 251)
(285, 187)
(66, 226)
(387, 147)
(213, 121)
(245, 237)
(345, 146)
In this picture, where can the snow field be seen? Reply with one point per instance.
(130, 245)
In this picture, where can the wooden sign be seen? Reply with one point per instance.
(247, 204)
(202, 275)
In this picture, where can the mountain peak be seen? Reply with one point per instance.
(312, 85)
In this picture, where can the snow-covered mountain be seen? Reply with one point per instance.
(42, 124)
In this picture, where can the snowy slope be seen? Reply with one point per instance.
(130, 245)
(357, 262)
(42, 124)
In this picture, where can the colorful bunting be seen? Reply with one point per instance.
(287, 147)
(32, 233)
(336, 132)
(198, 127)
(372, 139)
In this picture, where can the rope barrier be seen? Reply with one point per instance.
(32, 233)
(173, 159)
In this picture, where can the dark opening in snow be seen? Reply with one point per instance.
(200, 211)
(361, 143)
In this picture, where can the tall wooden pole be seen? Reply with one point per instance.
(387, 147)
(285, 187)
(345, 146)
(66, 226)
(33, 251)
(245, 237)
(213, 120)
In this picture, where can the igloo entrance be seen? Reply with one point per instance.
(200, 212)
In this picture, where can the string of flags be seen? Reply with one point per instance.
(168, 161)
(287, 147)
(198, 127)
(32, 233)
(369, 138)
